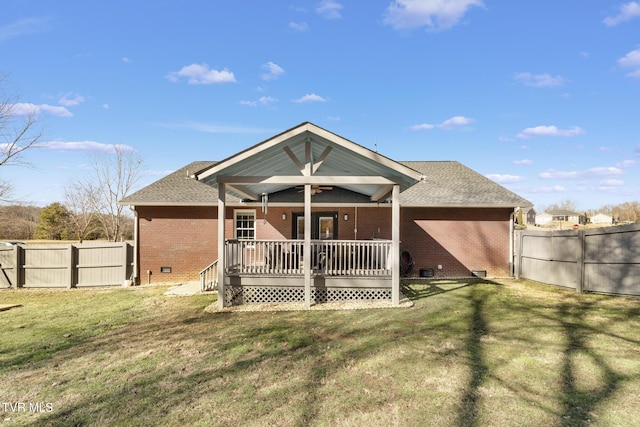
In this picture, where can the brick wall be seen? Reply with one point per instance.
(461, 240)
(182, 238)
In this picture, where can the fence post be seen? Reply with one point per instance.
(518, 261)
(125, 263)
(582, 243)
(18, 274)
(72, 266)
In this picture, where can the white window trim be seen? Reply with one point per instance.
(238, 212)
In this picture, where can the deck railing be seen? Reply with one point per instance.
(209, 277)
(328, 257)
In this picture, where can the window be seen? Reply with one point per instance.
(245, 225)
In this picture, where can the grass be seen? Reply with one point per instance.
(467, 354)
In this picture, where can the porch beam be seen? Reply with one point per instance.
(308, 158)
(294, 159)
(321, 159)
(242, 191)
(310, 180)
(222, 262)
(395, 246)
(383, 192)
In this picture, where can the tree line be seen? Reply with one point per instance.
(56, 222)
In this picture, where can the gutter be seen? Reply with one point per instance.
(135, 245)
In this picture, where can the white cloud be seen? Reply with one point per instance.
(433, 14)
(105, 106)
(455, 122)
(311, 97)
(612, 183)
(501, 178)
(201, 74)
(126, 60)
(549, 189)
(539, 80)
(273, 71)
(264, 100)
(631, 60)
(522, 162)
(448, 124)
(422, 126)
(550, 131)
(299, 26)
(71, 100)
(22, 27)
(26, 109)
(83, 146)
(329, 9)
(627, 12)
(627, 163)
(609, 171)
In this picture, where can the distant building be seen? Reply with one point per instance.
(602, 219)
(560, 215)
(530, 216)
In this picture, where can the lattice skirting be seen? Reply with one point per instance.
(238, 295)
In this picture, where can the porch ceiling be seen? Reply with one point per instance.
(292, 155)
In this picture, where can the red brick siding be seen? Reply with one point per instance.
(183, 238)
(461, 240)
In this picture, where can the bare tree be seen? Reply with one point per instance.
(80, 200)
(18, 132)
(116, 174)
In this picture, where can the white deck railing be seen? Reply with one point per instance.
(209, 277)
(328, 257)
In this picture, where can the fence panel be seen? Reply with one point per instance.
(66, 266)
(101, 264)
(46, 266)
(612, 260)
(8, 266)
(599, 260)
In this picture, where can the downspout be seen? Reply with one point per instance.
(355, 227)
(512, 236)
(136, 226)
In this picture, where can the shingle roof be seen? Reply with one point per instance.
(176, 189)
(446, 184)
(450, 183)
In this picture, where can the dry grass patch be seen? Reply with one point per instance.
(466, 353)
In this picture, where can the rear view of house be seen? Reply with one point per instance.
(308, 215)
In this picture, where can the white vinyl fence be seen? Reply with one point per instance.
(66, 265)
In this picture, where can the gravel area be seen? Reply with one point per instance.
(291, 306)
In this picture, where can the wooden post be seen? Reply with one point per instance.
(222, 262)
(395, 246)
(72, 267)
(307, 246)
(581, 257)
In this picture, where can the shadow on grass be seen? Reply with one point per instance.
(579, 404)
(468, 415)
(416, 290)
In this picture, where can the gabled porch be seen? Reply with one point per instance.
(310, 269)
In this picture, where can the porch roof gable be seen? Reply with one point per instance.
(308, 154)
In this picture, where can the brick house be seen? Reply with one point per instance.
(311, 216)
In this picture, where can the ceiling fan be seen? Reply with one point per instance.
(315, 189)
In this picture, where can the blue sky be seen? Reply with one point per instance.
(543, 97)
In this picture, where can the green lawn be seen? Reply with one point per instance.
(467, 354)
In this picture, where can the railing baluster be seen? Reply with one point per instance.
(329, 257)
